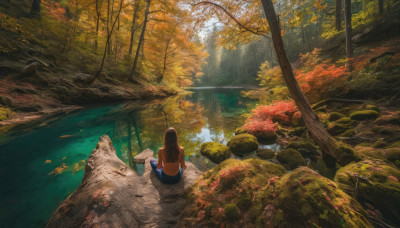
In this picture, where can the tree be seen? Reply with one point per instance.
(141, 39)
(338, 14)
(347, 21)
(134, 17)
(380, 5)
(319, 134)
(35, 10)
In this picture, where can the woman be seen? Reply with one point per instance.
(169, 159)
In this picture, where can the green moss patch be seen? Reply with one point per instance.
(337, 128)
(364, 115)
(5, 113)
(214, 151)
(243, 144)
(375, 182)
(290, 158)
(303, 198)
(390, 155)
(335, 116)
(303, 146)
(265, 153)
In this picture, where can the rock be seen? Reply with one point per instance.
(141, 158)
(225, 193)
(380, 144)
(239, 131)
(30, 68)
(6, 101)
(348, 133)
(265, 153)
(372, 107)
(393, 118)
(344, 120)
(297, 120)
(344, 154)
(304, 147)
(243, 144)
(113, 195)
(364, 115)
(303, 198)
(335, 116)
(290, 158)
(266, 136)
(390, 155)
(375, 182)
(214, 151)
(297, 131)
(336, 128)
(81, 78)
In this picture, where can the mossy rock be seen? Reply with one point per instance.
(5, 113)
(380, 144)
(214, 151)
(390, 155)
(395, 144)
(335, 116)
(345, 154)
(297, 131)
(344, 120)
(303, 198)
(324, 170)
(265, 153)
(375, 182)
(231, 212)
(364, 115)
(266, 137)
(372, 107)
(303, 146)
(290, 158)
(243, 144)
(231, 184)
(348, 133)
(337, 128)
(239, 131)
(389, 119)
(385, 130)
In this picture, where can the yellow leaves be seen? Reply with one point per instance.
(47, 162)
(59, 170)
(319, 5)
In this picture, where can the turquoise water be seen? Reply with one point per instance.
(39, 169)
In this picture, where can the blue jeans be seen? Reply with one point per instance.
(166, 179)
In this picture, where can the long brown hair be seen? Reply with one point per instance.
(171, 146)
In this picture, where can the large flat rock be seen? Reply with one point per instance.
(113, 195)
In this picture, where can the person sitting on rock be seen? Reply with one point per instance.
(169, 159)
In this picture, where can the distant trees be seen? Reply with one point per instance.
(35, 10)
(338, 15)
(348, 27)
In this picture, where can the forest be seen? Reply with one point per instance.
(273, 113)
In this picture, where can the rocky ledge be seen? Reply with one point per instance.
(113, 195)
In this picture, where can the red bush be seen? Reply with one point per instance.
(257, 127)
(278, 111)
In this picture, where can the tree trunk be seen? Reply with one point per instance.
(380, 3)
(96, 41)
(338, 14)
(35, 10)
(319, 134)
(146, 14)
(347, 22)
(165, 62)
(135, 10)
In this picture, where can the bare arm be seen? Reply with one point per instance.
(183, 165)
(160, 158)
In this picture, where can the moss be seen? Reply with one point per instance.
(265, 153)
(372, 107)
(321, 109)
(336, 128)
(5, 113)
(384, 130)
(380, 144)
(297, 120)
(344, 120)
(348, 133)
(365, 144)
(389, 119)
(375, 182)
(390, 155)
(345, 154)
(303, 146)
(214, 151)
(303, 198)
(364, 115)
(297, 131)
(243, 144)
(335, 116)
(232, 182)
(290, 158)
(231, 212)
(396, 144)
(324, 170)
(239, 131)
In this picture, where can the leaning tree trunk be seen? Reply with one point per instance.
(146, 14)
(35, 10)
(319, 134)
(347, 21)
(338, 14)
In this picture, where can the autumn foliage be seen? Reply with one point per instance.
(262, 119)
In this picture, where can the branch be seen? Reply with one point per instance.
(229, 14)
